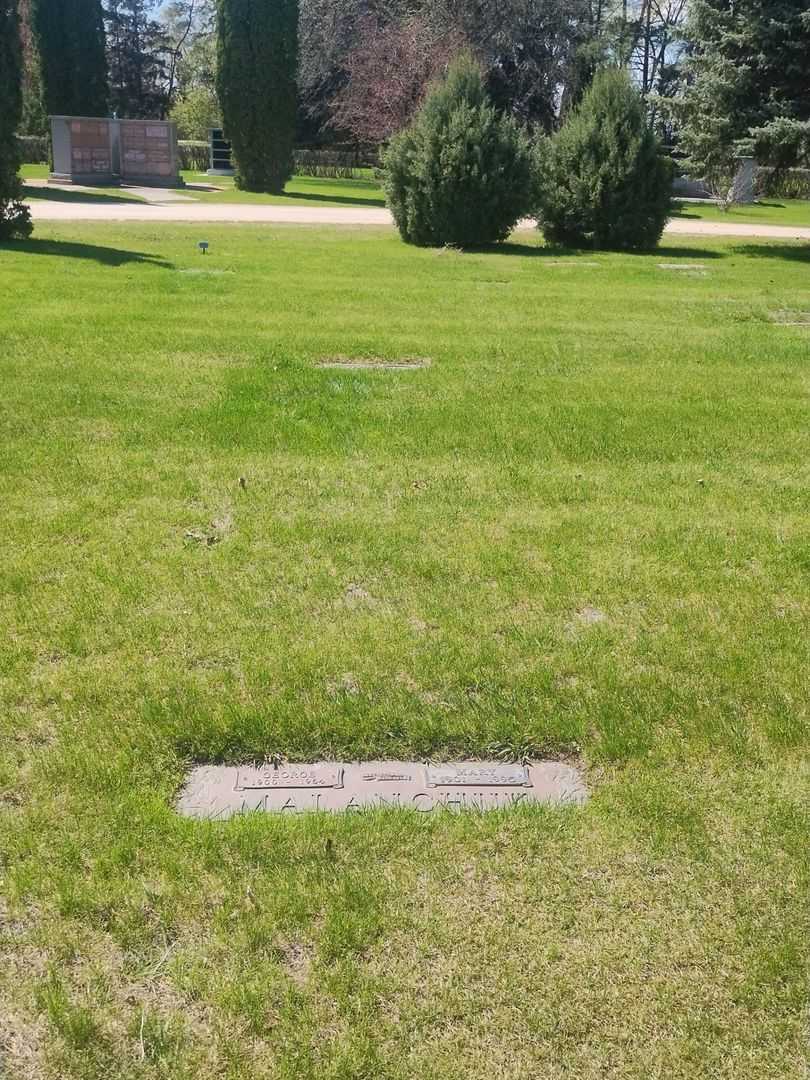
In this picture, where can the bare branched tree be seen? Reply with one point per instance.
(388, 74)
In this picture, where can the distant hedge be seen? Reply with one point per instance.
(335, 164)
(784, 184)
(194, 154)
(327, 162)
(34, 149)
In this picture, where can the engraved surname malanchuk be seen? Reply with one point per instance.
(291, 801)
(271, 777)
(428, 801)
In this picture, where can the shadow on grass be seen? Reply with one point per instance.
(534, 250)
(340, 200)
(52, 194)
(681, 253)
(107, 256)
(208, 189)
(685, 215)
(690, 210)
(765, 249)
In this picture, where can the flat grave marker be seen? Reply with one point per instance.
(373, 363)
(222, 791)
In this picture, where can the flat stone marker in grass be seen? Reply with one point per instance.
(221, 791)
(791, 317)
(374, 363)
(687, 269)
(200, 272)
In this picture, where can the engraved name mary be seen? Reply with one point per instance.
(480, 775)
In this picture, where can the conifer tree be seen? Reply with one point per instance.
(256, 86)
(15, 219)
(70, 39)
(605, 181)
(462, 173)
(746, 85)
(137, 52)
(33, 121)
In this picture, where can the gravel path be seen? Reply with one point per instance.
(208, 212)
(732, 228)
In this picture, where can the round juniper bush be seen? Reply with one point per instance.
(604, 179)
(462, 173)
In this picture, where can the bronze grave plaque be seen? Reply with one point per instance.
(222, 791)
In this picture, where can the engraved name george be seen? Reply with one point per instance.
(270, 777)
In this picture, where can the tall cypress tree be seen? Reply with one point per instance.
(34, 121)
(256, 85)
(15, 219)
(70, 38)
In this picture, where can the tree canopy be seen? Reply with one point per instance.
(256, 86)
(746, 83)
(15, 219)
(70, 42)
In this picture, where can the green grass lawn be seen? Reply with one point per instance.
(300, 191)
(362, 191)
(37, 193)
(583, 530)
(765, 212)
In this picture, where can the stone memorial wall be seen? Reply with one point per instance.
(148, 153)
(82, 150)
(90, 147)
(92, 150)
